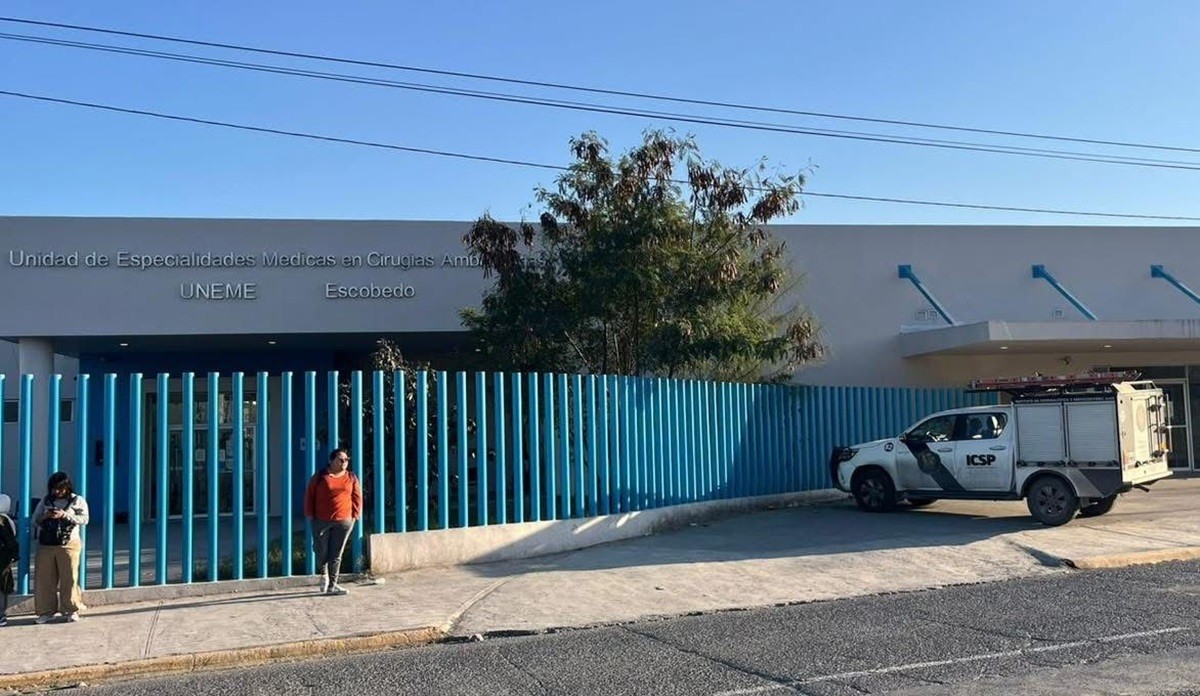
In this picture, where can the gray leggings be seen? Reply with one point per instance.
(329, 541)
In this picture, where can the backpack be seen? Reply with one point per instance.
(10, 548)
(10, 551)
(56, 532)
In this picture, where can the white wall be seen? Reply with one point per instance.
(980, 273)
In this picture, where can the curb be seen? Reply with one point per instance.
(1122, 560)
(223, 659)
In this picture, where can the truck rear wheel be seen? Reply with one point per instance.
(1099, 507)
(873, 491)
(1051, 501)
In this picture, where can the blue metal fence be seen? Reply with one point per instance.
(432, 450)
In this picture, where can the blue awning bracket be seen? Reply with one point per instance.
(906, 273)
(1039, 271)
(1157, 271)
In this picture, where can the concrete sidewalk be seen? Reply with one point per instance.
(800, 554)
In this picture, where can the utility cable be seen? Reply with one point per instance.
(554, 167)
(593, 90)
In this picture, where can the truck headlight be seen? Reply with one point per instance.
(844, 454)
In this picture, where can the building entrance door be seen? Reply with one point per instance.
(203, 460)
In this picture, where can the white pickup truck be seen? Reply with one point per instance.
(1066, 445)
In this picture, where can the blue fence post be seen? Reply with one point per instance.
(641, 442)
(783, 440)
(750, 443)
(238, 512)
(110, 477)
(310, 469)
(400, 428)
(162, 457)
(577, 395)
(423, 450)
(563, 436)
(356, 447)
(593, 472)
(685, 455)
(708, 424)
(548, 437)
(188, 445)
(24, 474)
(501, 458)
(758, 402)
(535, 459)
(657, 410)
(680, 459)
(213, 465)
(677, 456)
(781, 437)
(695, 409)
(82, 459)
(481, 447)
(53, 406)
(285, 479)
(658, 413)
(332, 408)
(135, 480)
(518, 422)
(378, 445)
(625, 451)
(604, 397)
(464, 488)
(662, 409)
(646, 408)
(766, 419)
(741, 471)
(443, 445)
(262, 494)
(732, 440)
(702, 440)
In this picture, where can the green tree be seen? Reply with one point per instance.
(654, 263)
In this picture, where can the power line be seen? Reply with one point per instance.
(596, 90)
(553, 167)
(620, 111)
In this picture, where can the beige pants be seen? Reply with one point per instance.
(56, 580)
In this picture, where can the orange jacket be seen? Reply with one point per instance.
(330, 498)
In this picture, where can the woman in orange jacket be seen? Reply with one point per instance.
(333, 502)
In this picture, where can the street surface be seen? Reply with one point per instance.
(1129, 631)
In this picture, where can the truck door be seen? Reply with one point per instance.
(984, 454)
(926, 453)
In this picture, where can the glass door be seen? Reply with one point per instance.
(1179, 412)
(202, 459)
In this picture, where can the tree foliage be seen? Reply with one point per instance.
(631, 270)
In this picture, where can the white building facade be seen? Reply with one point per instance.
(899, 305)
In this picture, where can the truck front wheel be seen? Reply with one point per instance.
(1051, 501)
(873, 491)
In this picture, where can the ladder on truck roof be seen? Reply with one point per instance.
(1052, 385)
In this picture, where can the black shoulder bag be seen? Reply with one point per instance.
(56, 532)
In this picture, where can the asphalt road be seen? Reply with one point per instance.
(1134, 630)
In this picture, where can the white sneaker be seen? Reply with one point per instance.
(44, 618)
(73, 616)
(324, 584)
(336, 589)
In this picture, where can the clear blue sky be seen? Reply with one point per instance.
(1104, 69)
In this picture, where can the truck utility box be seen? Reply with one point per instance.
(1124, 429)
(1066, 445)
